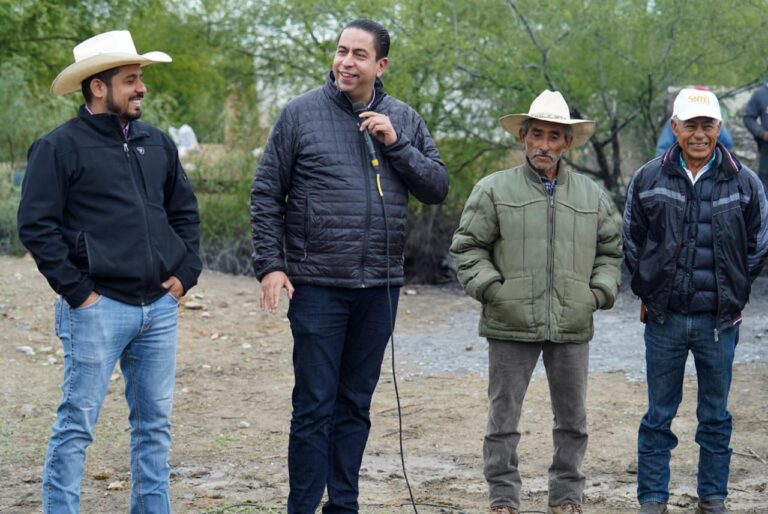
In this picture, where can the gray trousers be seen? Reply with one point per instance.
(511, 365)
(762, 170)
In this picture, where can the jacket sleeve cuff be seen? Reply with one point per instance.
(76, 298)
(491, 290)
(263, 272)
(602, 297)
(186, 278)
(399, 145)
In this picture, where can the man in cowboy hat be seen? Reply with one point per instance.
(695, 237)
(112, 223)
(537, 245)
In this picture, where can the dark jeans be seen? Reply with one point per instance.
(339, 339)
(666, 350)
(762, 170)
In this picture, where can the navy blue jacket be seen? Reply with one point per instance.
(757, 108)
(654, 222)
(103, 213)
(315, 207)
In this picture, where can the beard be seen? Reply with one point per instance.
(123, 114)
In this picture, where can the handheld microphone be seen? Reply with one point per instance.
(359, 107)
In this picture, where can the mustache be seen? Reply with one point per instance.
(136, 97)
(548, 155)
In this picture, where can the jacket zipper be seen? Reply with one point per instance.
(367, 217)
(306, 227)
(550, 261)
(126, 150)
(717, 257)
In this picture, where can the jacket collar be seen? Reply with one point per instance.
(726, 164)
(109, 124)
(533, 175)
(341, 98)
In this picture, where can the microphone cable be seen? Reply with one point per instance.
(374, 162)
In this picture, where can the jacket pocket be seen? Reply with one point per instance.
(578, 306)
(511, 308)
(78, 253)
(167, 247)
(172, 250)
(307, 226)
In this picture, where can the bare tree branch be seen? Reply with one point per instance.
(532, 35)
(479, 153)
(581, 168)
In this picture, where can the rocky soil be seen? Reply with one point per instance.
(232, 409)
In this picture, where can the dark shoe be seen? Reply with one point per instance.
(711, 507)
(565, 508)
(503, 509)
(653, 508)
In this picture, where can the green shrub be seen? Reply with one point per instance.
(225, 216)
(223, 191)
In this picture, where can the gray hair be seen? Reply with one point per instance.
(567, 129)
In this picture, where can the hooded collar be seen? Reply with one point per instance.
(343, 100)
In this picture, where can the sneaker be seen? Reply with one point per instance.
(565, 508)
(711, 507)
(503, 509)
(653, 508)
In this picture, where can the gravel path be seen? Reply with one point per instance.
(455, 347)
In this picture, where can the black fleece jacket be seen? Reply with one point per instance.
(102, 212)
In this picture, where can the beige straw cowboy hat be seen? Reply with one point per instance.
(99, 53)
(550, 106)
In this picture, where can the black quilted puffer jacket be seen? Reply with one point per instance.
(315, 208)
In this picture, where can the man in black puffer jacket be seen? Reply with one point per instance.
(695, 237)
(325, 223)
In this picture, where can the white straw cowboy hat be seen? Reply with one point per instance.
(550, 106)
(99, 53)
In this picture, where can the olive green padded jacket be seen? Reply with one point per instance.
(534, 260)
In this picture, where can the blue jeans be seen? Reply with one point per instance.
(143, 338)
(339, 339)
(666, 350)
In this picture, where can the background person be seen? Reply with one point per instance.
(757, 109)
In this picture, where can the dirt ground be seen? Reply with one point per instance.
(232, 412)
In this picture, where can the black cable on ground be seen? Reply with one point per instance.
(392, 352)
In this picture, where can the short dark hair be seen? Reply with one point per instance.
(380, 35)
(104, 76)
